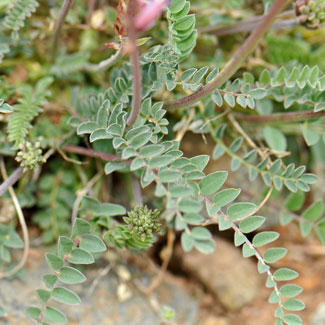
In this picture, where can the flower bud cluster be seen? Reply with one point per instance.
(143, 221)
(30, 155)
(311, 13)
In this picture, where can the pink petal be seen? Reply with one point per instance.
(149, 14)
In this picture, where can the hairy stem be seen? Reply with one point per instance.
(289, 117)
(58, 26)
(235, 63)
(136, 70)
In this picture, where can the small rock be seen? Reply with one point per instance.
(319, 316)
(123, 292)
(231, 278)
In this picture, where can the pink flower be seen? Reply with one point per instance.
(149, 13)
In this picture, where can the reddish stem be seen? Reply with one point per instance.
(92, 153)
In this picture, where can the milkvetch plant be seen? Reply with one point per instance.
(132, 120)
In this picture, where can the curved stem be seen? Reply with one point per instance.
(11, 180)
(58, 26)
(22, 224)
(235, 63)
(260, 206)
(238, 127)
(103, 65)
(250, 24)
(281, 117)
(81, 194)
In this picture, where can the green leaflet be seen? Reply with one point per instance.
(65, 296)
(240, 210)
(212, 183)
(68, 250)
(54, 315)
(182, 28)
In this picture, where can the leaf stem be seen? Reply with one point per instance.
(235, 63)
(136, 71)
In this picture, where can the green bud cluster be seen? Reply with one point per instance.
(143, 221)
(311, 13)
(30, 155)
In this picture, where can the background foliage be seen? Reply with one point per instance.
(74, 101)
